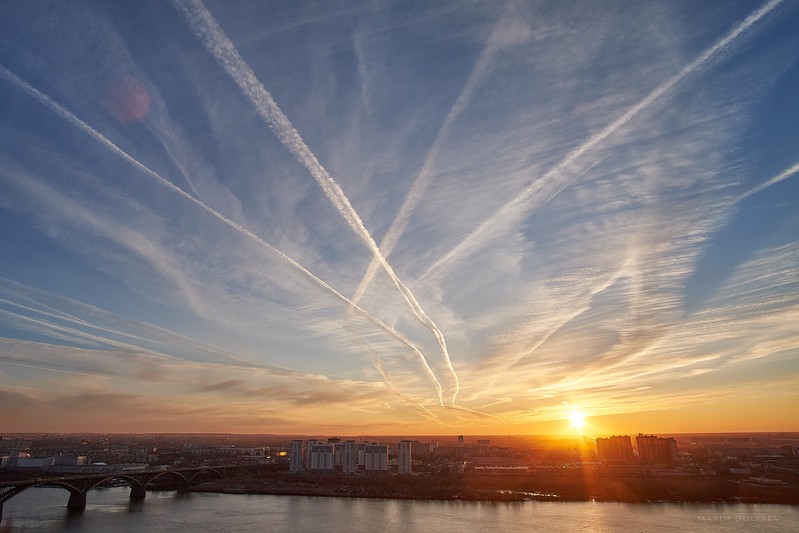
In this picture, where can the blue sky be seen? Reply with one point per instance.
(396, 216)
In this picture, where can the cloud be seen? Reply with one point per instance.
(562, 175)
(505, 33)
(635, 272)
(202, 23)
(88, 129)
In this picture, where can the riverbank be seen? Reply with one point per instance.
(558, 487)
(343, 492)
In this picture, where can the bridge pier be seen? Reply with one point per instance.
(138, 492)
(77, 500)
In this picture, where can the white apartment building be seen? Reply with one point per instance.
(296, 457)
(376, 458)
(322, 458)
(404, 456)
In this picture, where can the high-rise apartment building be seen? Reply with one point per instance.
(307, 453)
(361, 456)
(296, 457)
(322, 458)
(404, 456)
(349, 457)
(376, 458)
(615, 449)
(654, 450)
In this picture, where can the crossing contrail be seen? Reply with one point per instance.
(497, 39)
(377, 362)
(213, 37)
(555, 177)
(72, 118)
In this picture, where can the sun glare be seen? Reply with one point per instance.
(577, 419)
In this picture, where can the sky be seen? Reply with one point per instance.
(399, 217)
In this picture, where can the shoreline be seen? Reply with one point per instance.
(496, 493)
(323, 493)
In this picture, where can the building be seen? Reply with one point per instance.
(295, 457)
(23, 460)
(376, 458)
(421, 449)
(322, 458)
(405, 456)
(483, 448)
(460, 441)
(654, 450)
(306, 461)
(349, 457)
(615, 449)
(361, 454)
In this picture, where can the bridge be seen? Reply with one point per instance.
(138, 480)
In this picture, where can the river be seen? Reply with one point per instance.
(44, 509)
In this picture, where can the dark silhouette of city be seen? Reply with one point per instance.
(741, 467)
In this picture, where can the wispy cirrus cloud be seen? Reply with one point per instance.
(593, 205)
(202, 23)
(169, 185)
(561, 175)
(505, 33)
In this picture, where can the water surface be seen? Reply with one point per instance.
(44, 509)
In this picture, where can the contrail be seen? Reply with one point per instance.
(474, 412)
(42, 367)
(558, 174)
(29, 294)
(202, 23)
(69, 116)
(776, 179)
(495, 43)
(420, 184)
(71, 334)
(360, 61)
(377, 362)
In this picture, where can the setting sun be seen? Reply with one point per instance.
(577, 419)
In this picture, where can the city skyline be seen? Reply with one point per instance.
(399, 218)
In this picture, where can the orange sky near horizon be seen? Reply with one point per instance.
(775, 413)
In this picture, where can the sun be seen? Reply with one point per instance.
(577, 419)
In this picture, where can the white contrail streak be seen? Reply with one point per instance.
(70, 334)
(776, 179)
(202, 22)
(555, 176)
(42, 367)
(475, 412)
(69, 116)
(360, 60)
(422, 180)
(377, 362)
(420, 184)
